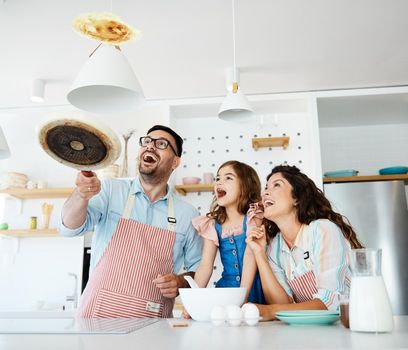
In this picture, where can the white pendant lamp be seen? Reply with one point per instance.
(4, 149)
(106, 83)
(236, 106)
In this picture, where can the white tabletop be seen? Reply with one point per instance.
(202, 335)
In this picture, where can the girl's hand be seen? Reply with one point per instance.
(256, 239)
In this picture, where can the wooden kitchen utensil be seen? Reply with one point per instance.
(46, 214)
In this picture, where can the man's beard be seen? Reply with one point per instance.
(152, 175)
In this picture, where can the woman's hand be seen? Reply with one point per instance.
(256, 239)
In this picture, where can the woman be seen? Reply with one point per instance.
(306, 266)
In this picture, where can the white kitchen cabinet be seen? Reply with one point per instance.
(35, 264)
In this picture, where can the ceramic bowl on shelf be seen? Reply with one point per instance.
(394, 170)
(341, 173)
(190, 180)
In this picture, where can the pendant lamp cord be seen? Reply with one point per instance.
(233, 38)
(95, 50)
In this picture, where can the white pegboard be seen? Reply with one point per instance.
(209, 142)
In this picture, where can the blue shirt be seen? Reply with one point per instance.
(105, 210)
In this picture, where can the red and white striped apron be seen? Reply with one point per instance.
(121, 283)
(303, 286)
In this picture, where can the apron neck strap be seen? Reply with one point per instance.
(171, 219)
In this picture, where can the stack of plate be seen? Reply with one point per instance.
(308, 316)
(13, 180)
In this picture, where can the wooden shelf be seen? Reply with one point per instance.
(36, 193)
(183, 189)
(31, 233)
(366, 178)
(270, 142)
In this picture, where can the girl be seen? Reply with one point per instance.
(225, 226)
(308, 263)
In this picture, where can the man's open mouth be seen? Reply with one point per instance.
(149, 158)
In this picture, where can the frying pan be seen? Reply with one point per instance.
(83, 144)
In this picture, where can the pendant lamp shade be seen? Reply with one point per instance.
(106, 84)
(4, 149)
(235, 107)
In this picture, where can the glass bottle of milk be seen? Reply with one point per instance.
(370, 307)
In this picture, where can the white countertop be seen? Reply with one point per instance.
(202, 335)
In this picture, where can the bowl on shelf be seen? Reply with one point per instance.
(393, 170)
(341, 173)
(190, 180)
(200, 301)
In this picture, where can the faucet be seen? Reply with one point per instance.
(73, 299)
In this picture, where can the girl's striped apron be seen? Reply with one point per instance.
(121, 283)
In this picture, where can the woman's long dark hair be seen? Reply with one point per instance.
(311, 204)
(250, 190)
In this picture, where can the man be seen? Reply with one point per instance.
(142, 234)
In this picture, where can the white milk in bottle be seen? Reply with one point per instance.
(370, 307)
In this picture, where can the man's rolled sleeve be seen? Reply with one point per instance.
(96, 209)
(71, 232)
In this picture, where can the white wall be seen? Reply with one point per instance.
(364, 148)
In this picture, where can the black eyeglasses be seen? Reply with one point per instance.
(160, 143)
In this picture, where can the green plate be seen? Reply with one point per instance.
(299, 313)
(310, 320)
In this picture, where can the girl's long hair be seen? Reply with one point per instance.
(250, 186)
(311, 204)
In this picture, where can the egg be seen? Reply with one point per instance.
(234, 315)
(218, 315)
(251, 314)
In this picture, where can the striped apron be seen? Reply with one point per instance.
(303, 286)
(121, 284)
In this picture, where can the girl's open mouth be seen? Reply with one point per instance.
(220, 193)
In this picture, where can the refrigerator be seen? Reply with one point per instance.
(377, 210)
